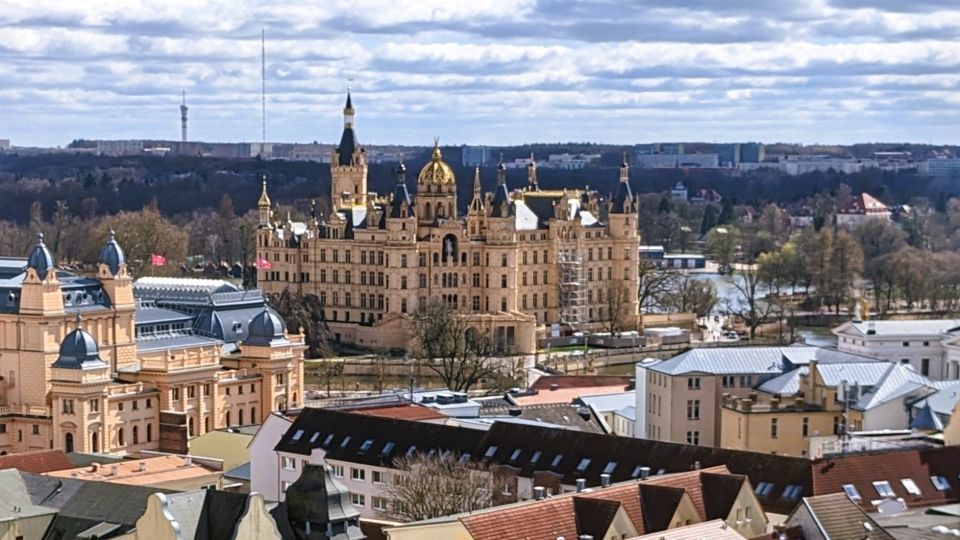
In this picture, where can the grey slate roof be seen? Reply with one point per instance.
(919, 328)
(735, 360)
(899, 381)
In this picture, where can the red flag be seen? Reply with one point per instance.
(264, 264)
(158, 260)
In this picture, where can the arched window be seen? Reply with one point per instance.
(240, 413)
(253, 415)
(190, 427)
(429, 212)
(94, 442)
(136, 435)
(228, 419)
(68, 442)
(149, 432)
(120, 441)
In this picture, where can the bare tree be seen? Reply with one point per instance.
(690, 295)
(654, 283)
(304, 311)
(451, 347)
(749, 303)
(614, 301)
(425, 487)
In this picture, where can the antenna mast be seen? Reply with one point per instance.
(263, 85)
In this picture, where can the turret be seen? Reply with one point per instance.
(401, 205)
(40, 293)
(476, 205)
(532, 174)
(263, 206)
(113, 275)
(623, 202)
(348, 164)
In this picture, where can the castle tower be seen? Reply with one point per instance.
(622, 221)
(436, 190)
(118, 286)
(78, 377)
(40, 292)
(183, 118)
(348, 165)
(477, 211)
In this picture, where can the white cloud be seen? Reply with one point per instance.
(493, 71)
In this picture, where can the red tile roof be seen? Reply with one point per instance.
(406, 411)
(862, 470)
(535, 520)
(38, 462)
(579, 381)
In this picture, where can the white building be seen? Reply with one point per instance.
(861, 208)
(932, 347)
(941, 167)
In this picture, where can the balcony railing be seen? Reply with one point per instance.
(25, 410)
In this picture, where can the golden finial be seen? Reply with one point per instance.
(436, 149)
(264, 198)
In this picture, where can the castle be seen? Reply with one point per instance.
(518, 264)
(110, 365)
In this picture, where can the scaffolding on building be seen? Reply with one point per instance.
(570, 266)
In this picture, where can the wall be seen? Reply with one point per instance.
(25, 528)
(892, 348)
(751, 430)
(264, 462)
(434, 531)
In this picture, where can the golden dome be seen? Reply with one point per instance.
(264, 201)
(436, 171)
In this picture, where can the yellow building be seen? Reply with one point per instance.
(515, 264)
(107, 365)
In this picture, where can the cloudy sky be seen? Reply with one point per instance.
(484, 71)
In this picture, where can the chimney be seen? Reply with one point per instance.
(142, 467)
(774, 404)
(632, 384)
(187, 460)
(113, 470)
(581, 484)
(585, 537)
(605, 480)
(554, 386)
(753, 396)
(746, 405)
(514, 411)
(696, 465)
(539, 493)
(584, 412)
(644, 473)
(798, 402)
(94, 467)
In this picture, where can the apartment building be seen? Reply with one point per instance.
(360, 451)
(680, 399)
(930, 346)
(793, 413)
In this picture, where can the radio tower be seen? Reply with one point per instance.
(263, 86)
(183, 118)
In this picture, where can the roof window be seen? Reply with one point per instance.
(611, 466)
(851, 491)
(366, 445)
(535, 457)
(314, 437)
(491, 450)
(763, 489)
(328, 440)
(940, 483)
(792, 491)
(387, 448)
(345, 442)
(910, 486)
(883, 488)
(297, 434)
(556, 460)
(515, 454)
(584, 463)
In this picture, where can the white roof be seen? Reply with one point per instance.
(924, 328)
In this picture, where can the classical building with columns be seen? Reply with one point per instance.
(517, 263)
(113, 365)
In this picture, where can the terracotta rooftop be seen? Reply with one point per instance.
(580, 381)
(648, 504)
(862, 476)
(41, 461)
(405, 411)
(140, 472)
(564, 395)
(714, 530)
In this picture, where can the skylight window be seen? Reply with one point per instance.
(910, 486)
(792, 491)
(851, 491)
(491, 450)
(297, 434)
(314, 437)
(515, 454)
(387, 448)
(636, 472)
(940, 483)
(345, 442)
(556, 460)
(584, 463)
(411, 450)
(883, 488)
(366, 445)
(328, 440)
(763, 489)
(612, 466)
(535, 457)
(464, 458)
